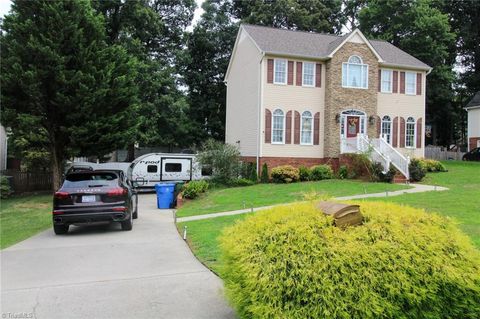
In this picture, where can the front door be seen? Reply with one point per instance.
(353, 126)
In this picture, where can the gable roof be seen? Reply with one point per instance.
(475, 102)
(321, 46)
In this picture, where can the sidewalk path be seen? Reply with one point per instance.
(416, 188)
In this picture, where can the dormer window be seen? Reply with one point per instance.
(355, 73)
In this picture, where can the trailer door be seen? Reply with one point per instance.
(176, 169)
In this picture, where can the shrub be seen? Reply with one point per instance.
(291, 262)
(377, 174)
(5, 189)
(343, 172)
(192, 189)
(417, 170)
(304, 173)
(241, 182)
(224, 159)
(358, 165)
(285, 174)
(253, 173)
(433, 165)
(321, 172)
(264, 177)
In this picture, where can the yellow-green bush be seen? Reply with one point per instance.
(291, 262)
(432, 165)
(285, 174)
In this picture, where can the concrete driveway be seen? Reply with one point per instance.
(104, 272)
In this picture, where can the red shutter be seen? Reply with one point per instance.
(395, 81)
(395, 132)
(402, 82)
(268, 126)
(316, 129)
(270, 71)
(299, 73)
(419, 133)
(379, 125)
(318, 75)
(290, 73)
(402, 132)
(419, 83)
(288, 128)
(296, 130)
(379, 80)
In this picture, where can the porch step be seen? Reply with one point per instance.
(399, 178)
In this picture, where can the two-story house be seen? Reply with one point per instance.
(305, 98)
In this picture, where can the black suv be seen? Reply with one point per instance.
(473, 155)
(94, 196)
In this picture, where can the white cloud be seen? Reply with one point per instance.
(5, 7)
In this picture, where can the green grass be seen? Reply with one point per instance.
(24, 216)
(227, 199)
(461, 202)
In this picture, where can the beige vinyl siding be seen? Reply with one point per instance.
(474, 123)
(404, 105)
(292, 98)
(243, 90)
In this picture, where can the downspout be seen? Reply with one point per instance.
(259, 124)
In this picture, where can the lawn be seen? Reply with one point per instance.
(461, 202)
(227, 199)
(24, 216)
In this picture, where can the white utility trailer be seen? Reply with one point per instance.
(120, 166)
(153, 168)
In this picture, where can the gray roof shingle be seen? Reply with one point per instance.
(319, 45)
(475, 101)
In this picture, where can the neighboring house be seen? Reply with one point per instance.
(305, 98)
(473, 109)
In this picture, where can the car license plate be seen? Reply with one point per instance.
(88, 198)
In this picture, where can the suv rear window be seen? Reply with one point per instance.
(90, 179)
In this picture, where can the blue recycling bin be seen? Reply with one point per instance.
(165, 193)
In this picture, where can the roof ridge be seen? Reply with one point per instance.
(299, 31)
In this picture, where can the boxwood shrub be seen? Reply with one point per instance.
(193, 189)
(433, 165)
(321, 172)
(285, 174)
(291, 262)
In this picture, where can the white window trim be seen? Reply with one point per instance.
(286, 71)
(414, 133)
(391, 81)
(284, 128)
(301, 128)
(314, 74)
(414, 83)
(355, 87)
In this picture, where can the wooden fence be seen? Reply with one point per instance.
(22, 182)
(441, 154)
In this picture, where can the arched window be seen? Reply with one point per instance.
(387, 128)
(306, 128)
(410, 132)
(278, 127)
(355, 73)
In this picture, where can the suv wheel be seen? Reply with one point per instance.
(128, 224)
(60, 229)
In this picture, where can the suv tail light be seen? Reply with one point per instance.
(119, 209)
(62, 195)
(117, 192)
(57, 212)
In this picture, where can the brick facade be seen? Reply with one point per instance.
(294, 161)
(472, 142)
(338, 99)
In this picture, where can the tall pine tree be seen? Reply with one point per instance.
(59, 75)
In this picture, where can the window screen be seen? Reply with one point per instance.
(173, 167)
(152, 168)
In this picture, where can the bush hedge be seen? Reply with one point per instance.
(193, 189)
(321, 172)
(417, 170)
(304, 173)
(285, 174)
(291, 262)
(5, 189)
(264, 176)
(433, 165)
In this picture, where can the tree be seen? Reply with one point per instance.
(306, 15)
(422, 30)
(152, 31)
(204, 64)
(59, 74)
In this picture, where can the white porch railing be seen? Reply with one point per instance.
(378, 150)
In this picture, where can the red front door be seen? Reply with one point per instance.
(353, 126)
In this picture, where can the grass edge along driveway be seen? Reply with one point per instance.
(235, 198)
(461, 202)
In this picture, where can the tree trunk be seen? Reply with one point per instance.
(130, 152)
(57, 168)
